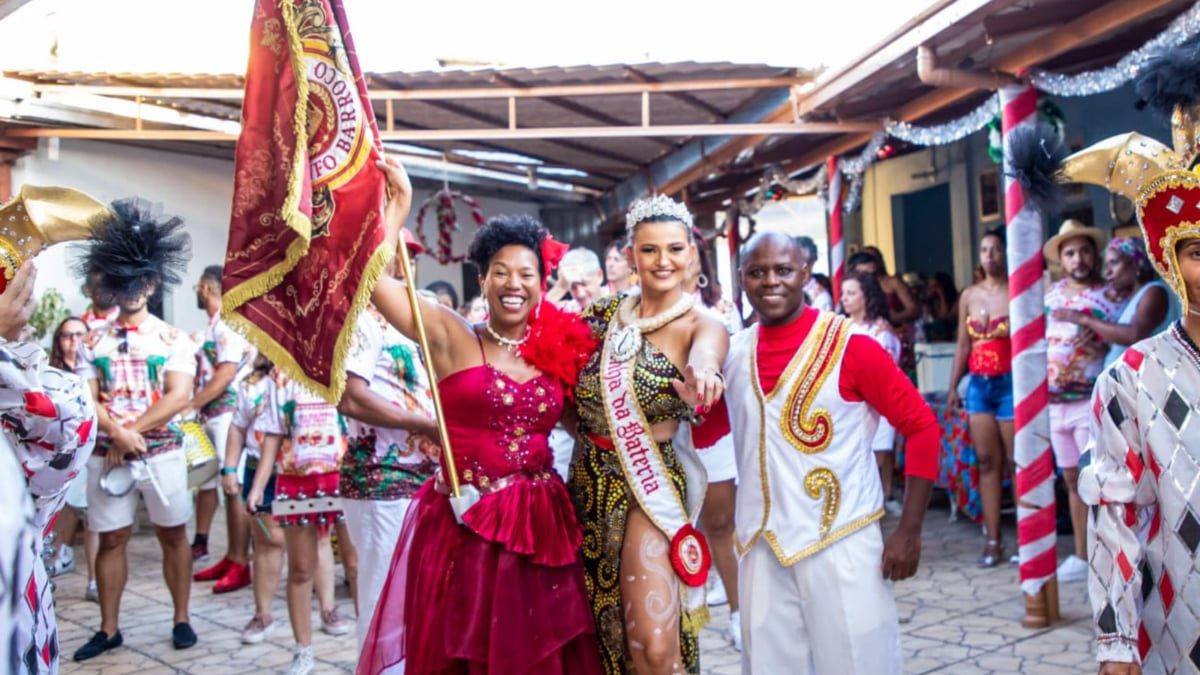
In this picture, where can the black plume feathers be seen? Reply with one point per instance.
(1035, 153)
(134, 251)
(1170, 77)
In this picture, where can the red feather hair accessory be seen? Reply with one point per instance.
(552, 254)
(559, 344)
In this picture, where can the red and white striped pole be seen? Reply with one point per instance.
(837, 243)
(1034, 460)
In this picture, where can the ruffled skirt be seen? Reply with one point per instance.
(458, 602)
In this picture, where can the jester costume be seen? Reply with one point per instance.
(1144, 523)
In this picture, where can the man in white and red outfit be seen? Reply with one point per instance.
(389, 418)
(224, 359)
(140, 370)
(814, 596)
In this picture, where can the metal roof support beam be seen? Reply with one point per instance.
(459, 94)
(683, 96)
(572, 107)
(719, 131)
(697, 154)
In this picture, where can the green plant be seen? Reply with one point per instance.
(51, 310)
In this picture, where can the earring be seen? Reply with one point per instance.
(702, 281)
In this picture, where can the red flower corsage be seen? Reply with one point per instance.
(690, 556)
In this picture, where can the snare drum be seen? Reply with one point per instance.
(201, 455)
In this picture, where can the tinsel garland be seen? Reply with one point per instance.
(852, 168)
(949, 132)
(447, 222)
(1183, 28)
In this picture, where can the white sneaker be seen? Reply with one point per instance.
(1073, 568)
(63, 562)
(735, 630)
(716, 595)
(92, 594)
(302, 664)
(333, 623)
(893, 506)
(259, 629)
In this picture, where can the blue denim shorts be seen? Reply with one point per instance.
(248, 480)
(990, 395)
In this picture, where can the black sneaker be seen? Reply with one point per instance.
(183, 636)
(99, 644)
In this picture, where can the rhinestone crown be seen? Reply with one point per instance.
(658, 207)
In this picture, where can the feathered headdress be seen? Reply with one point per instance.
(135, 251)
(1161, 181)
(1035, 154)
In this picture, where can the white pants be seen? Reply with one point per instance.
(720, 460)
(374, 528)
(562, 444)
(829, 613)
(217, 429)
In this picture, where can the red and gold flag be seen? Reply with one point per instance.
(305, 237)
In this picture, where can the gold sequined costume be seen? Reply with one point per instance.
(601, 494)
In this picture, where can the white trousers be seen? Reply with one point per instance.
(374, 528)
(830, 613)
(217, 429)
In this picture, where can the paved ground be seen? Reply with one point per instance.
(955, 619)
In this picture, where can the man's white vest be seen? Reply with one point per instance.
(808, 476)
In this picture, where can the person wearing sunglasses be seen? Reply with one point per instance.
(140, 370)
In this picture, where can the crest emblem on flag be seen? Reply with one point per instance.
(305, 239)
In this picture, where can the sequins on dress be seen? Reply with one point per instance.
(600, 492)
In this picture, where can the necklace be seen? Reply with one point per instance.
(626, 341)
(508, 343)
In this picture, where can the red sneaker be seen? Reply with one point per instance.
(237, 577)
(215, 572)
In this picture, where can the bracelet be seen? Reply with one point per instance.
(228, 470)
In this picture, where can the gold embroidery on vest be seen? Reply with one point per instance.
(811, 431)
(823, 481)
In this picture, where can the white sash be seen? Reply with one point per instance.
(650, 483)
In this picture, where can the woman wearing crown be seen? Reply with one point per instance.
(1144, 529)
(637, 496)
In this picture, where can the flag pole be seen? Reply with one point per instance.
(456, 492)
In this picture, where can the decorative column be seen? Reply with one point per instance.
(1034, 461)
(837, 241)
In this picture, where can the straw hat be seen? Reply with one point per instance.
(1071, 229)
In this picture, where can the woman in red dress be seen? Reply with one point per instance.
(502, 592)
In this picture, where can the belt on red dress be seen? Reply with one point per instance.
(487, 486)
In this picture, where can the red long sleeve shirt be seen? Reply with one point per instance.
(868, 374)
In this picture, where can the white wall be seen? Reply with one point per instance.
(197, 189)
(200, 191)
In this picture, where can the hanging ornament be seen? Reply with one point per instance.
(447, 222)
